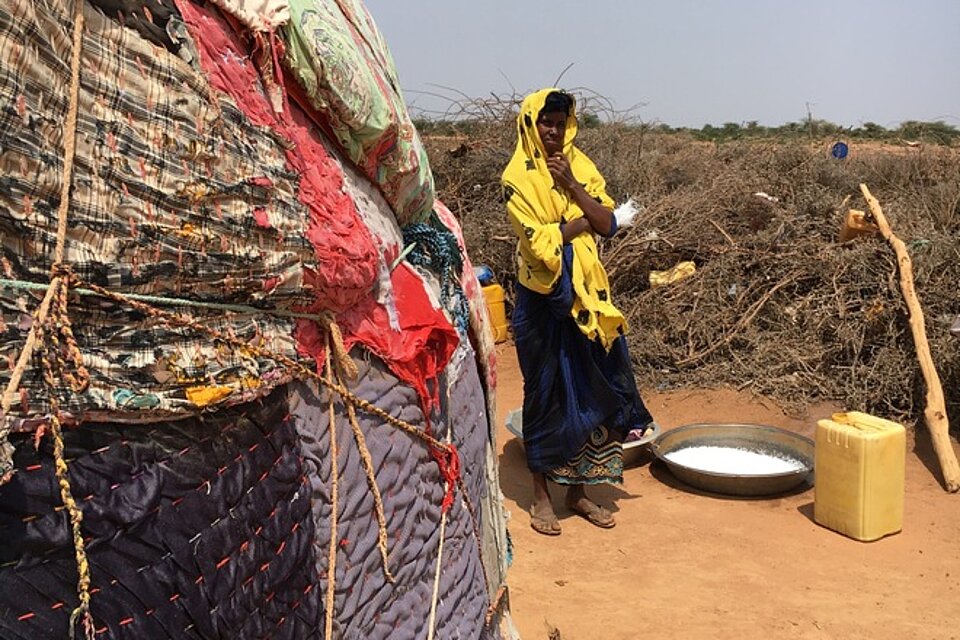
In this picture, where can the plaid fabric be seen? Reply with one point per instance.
(174, 193)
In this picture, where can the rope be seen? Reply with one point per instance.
(164, 301)
(431, 624)
(436, 579)
(53, 362)
(374, 489)
(70, 132)
(82, 611)
(48, 329)
(344, 363)
(334, 490)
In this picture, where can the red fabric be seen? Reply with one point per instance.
(416, 353)
(345, 249)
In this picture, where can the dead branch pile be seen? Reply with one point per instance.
(777, 305)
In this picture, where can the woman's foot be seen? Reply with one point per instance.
(581, 505)
(543, 519)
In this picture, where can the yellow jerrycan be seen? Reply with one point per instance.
(859, 466)
(493, 294)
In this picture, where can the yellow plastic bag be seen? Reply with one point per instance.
(676, 273)
(856, 224)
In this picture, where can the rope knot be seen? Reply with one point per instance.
(62, 270)
(62, 351)
(342, 361)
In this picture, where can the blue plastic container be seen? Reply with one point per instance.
(484, 274)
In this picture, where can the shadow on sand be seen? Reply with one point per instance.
(516, 484)
(923, 449)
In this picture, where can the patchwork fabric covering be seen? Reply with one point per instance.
(345, 70)
(217, 526)
(186, 190)
(226, 240)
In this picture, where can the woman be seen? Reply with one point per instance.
(580, 398)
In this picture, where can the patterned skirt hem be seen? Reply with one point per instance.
(599, 461)
(597, 479)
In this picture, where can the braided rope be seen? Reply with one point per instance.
(54, 362)
(334, 491)
(55, 327)
(82, 611)
(59, 328)
(342, 360)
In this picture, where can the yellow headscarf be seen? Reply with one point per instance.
(536, 210)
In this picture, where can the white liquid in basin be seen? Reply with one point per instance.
(733, 461)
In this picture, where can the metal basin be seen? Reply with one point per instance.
(758, 438)
(632, 451)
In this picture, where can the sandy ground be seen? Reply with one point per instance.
(682, 564)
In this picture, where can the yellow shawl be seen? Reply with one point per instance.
(536, 210)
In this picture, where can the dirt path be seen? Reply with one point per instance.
(683, 565)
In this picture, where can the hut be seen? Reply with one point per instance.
(249, 383)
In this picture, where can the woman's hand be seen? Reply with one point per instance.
(559, 168)
(597, 218)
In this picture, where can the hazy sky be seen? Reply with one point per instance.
(691, 62)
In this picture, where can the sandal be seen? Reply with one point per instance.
(595, 515)
(545, 526)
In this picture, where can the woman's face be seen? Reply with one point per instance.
(552, 127)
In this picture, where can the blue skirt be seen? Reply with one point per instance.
(572, 386)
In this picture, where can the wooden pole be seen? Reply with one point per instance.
(935, 413)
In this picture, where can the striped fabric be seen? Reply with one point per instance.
(175, 193)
